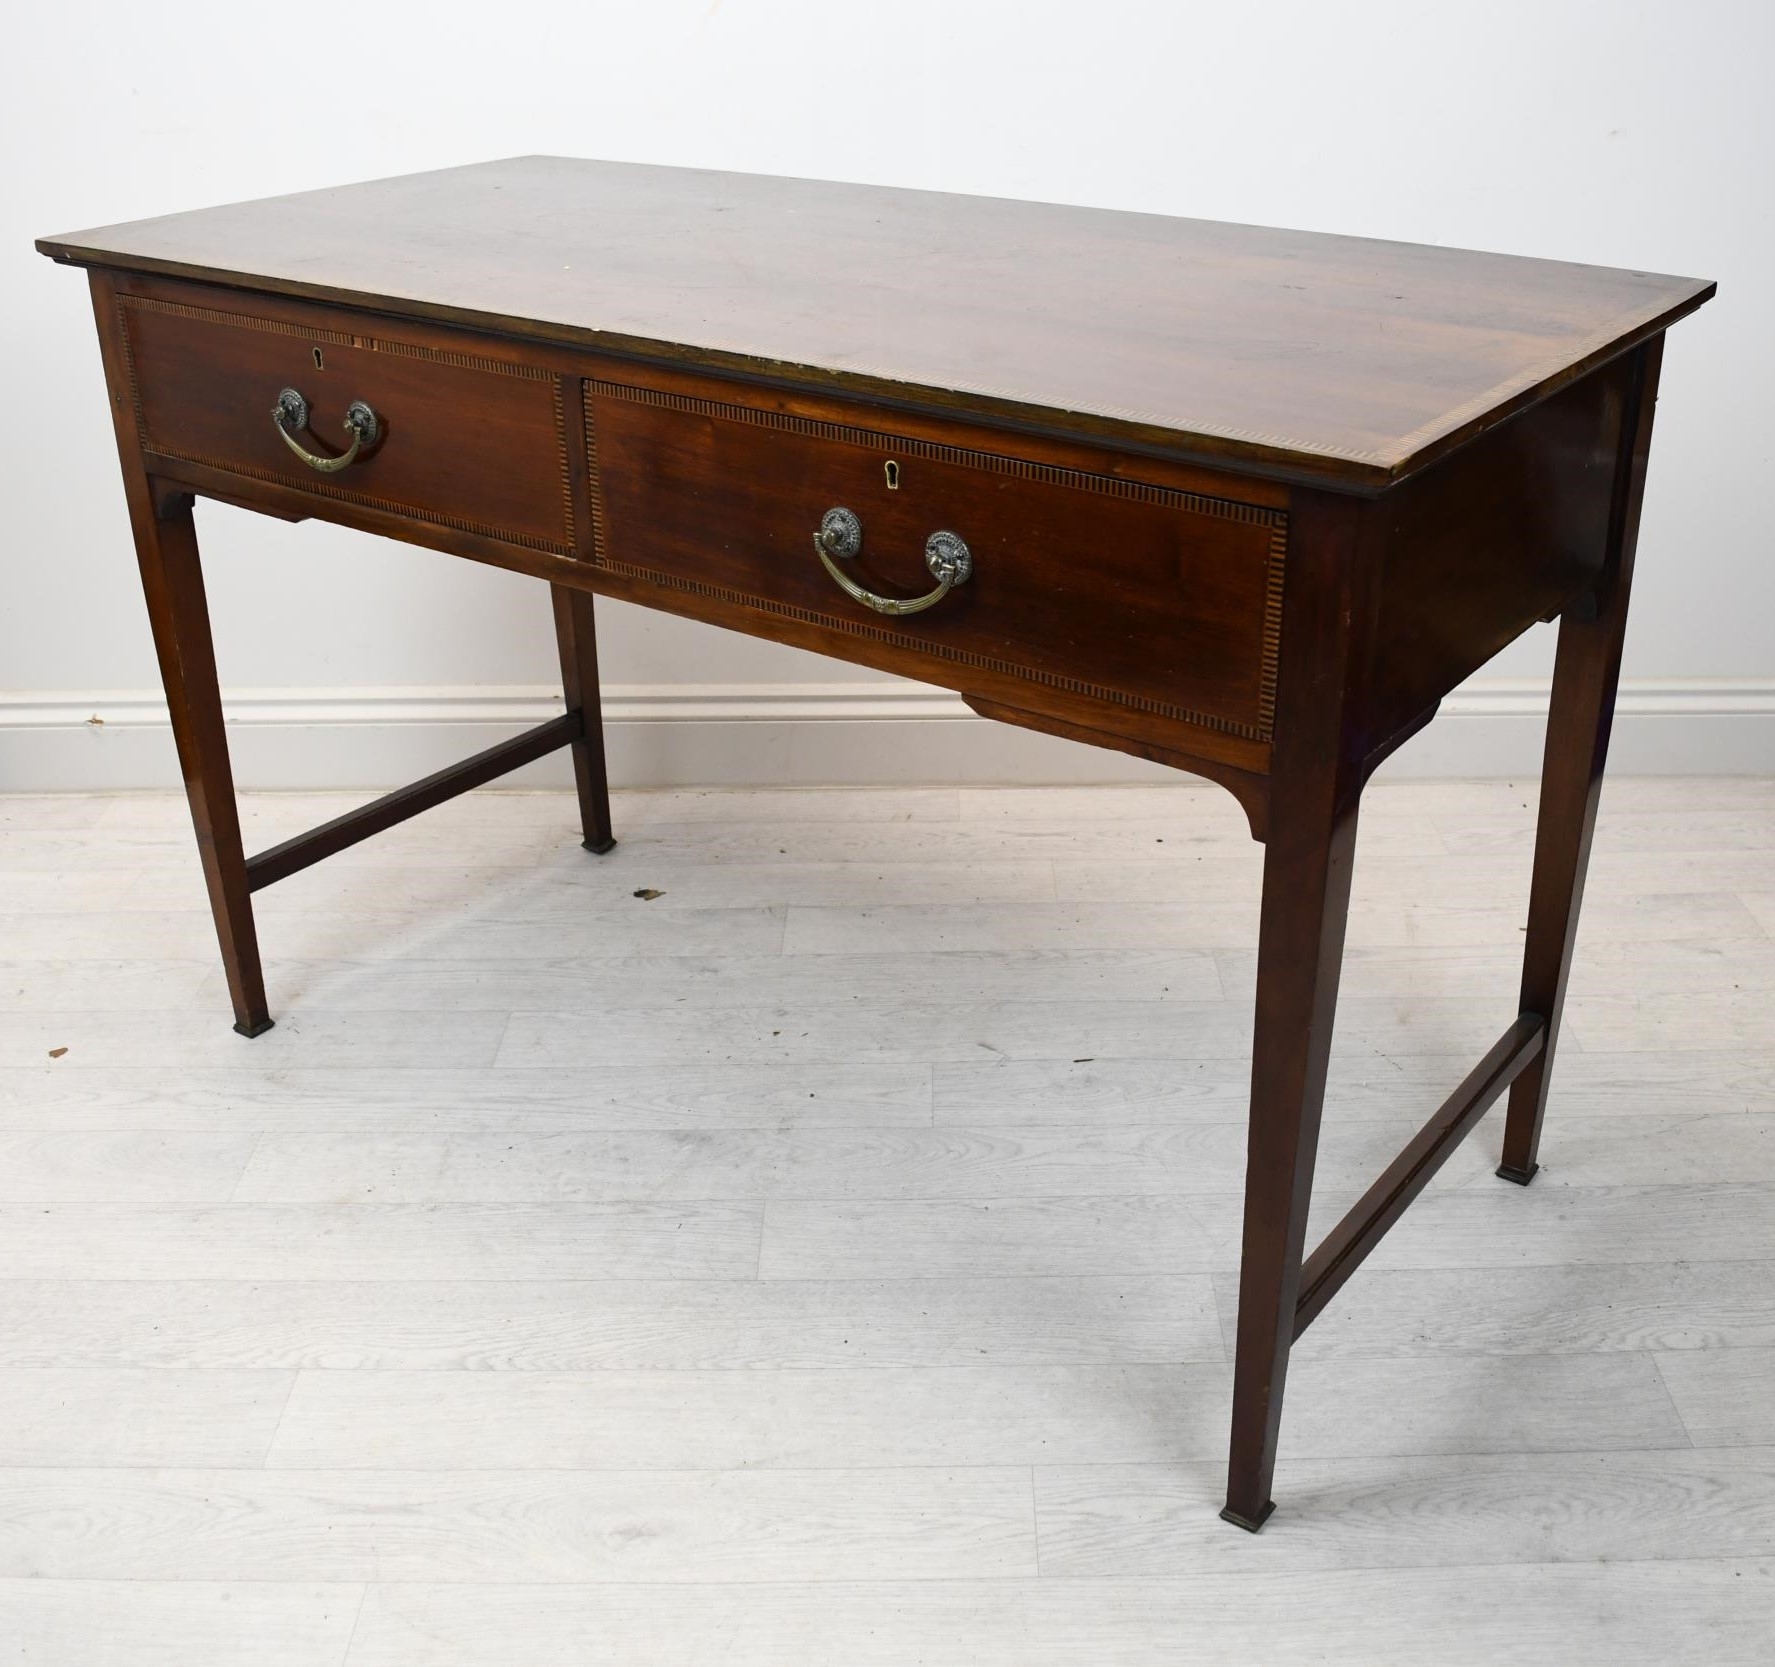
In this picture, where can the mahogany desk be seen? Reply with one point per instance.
(1247, 502)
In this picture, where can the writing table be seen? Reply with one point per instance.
(1243, 501)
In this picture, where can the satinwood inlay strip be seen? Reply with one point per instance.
(374, 344)
(1225, 509)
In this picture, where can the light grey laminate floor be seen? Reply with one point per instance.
(830, 1260)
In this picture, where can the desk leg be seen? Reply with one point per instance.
(1315, 787)
(1586, 672)
(1306, 895)
(576, 633)
(172, 581)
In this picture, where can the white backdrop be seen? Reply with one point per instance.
(1634, 134)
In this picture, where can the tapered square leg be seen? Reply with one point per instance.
(172, 582)
(160, 517)
(1306, 894)
(1314, 791)
(1586, 673)
(576, 634)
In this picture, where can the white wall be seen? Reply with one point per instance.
(1634, 134)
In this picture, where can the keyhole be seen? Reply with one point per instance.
(317, 360)
(892, 470)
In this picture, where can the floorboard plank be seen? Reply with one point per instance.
(589, 1324)
(122, 1166)
(758, 1420)
(1625, 1615)
(1723, 1395)
(822, 1163)
(178, 1623)
(442, 977)
(382, 1241)
(129, 1038)
(533, 1526)
(240, 1098)
(971, 1031)
(830, 1259)
(121, 1415)
(1113, 1521)
(1077, 1093)
(1542, 1310)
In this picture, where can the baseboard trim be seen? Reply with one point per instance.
(790, 734)
(492, 704)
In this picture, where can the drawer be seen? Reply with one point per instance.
(464, 440)
(1091, 595)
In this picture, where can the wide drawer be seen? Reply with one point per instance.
(1086, 587)
(464, 440)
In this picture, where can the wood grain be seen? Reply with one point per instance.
(121, 1165)
(1562, 1309)
(1016, 1237)
(1632, 1615)
(1723, 1395)
(132, 1623)
(139, 1417)
(1563, 1394)
(906, 1418)
(124, 1038)
(231, 1099)
(580, 1325)
(968, 1032)
(1481, 1227)
(431, 983)
(1177, 612)
(1372, 1085)
(1421, 1512)
(1216, 545)
(388, 1241)
(530, 1526)
(826, 1163)
(205, 380)
(876, 290)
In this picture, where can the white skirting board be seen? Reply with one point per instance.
(797, 734)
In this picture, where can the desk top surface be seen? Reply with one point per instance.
(1335, 358)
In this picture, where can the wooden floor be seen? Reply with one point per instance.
(830, 1259)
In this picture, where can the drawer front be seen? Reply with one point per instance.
(464, 441)
(1095, 587)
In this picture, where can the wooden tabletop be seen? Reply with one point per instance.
(1334, 358)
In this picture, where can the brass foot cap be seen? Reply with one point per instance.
(1250, 1524)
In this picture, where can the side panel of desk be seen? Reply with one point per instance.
(1506, 533)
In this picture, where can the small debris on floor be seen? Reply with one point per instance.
(56, 1053)
(647, 894)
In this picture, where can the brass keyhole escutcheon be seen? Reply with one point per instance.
(892, 470)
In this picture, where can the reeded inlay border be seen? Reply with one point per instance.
(376, 344)
(1226, 509)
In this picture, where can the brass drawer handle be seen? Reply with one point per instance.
(950, 561)
(291, 414)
